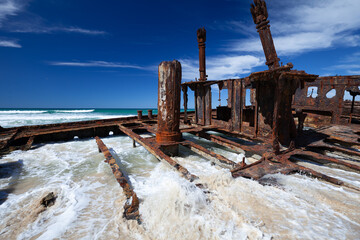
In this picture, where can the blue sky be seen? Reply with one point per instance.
(104, 54)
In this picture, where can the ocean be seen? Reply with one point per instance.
(90, 202)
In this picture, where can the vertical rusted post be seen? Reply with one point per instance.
(134, 144)
(185, 95)
(201, 38)
(150, 116)
(260, 15)
(139, 116)
(168, 133)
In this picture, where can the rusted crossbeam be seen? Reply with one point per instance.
(131, 208)
(317, 157)
(258, 149)
(151, 145)
(323, 145)
(213, 157)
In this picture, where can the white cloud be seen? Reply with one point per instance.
(9, 43)
(8, 8)
(307, 25)
(96, 64)
(27, 22)
(221, 67)
(40, 28)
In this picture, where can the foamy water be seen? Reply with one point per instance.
(90, 202)
(16, 118)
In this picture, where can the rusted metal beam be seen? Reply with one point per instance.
(260, 15)
(258, 148)
(29, 143)
(213, 157)
(151, 145)
(131, 208)
(317, 157)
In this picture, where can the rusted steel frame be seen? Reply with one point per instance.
(213, 157)
(131, 208)
(256, 118)
(150, 145)
(317, 157)
(259, 149)
(322, 145)
(280, 164)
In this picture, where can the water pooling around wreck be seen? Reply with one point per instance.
(90, 201)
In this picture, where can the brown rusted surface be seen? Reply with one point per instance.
(169, 103)
(139, 114)
(131, 208)
(150, 115)
(260, 17)
(201, 38)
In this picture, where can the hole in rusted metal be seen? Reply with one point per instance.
(312, 92)
(331, 93)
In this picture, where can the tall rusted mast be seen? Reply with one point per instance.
(260, 15)
(201, 38)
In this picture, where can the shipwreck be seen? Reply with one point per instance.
(282, 123)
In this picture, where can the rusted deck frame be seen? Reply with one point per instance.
(325, 146)
(321, 158)
(131, 208)
(213, 157)
(150, 145)
(272, 164)
(258, 149)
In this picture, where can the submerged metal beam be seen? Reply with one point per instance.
(213, 157)
(151, 145)
(131, 208)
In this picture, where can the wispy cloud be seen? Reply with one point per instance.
(308, 25)
(221, 67)
(40, 28)
(103, 64)
(27, 22)
(9, 43)
(8, 8)
(350, 64)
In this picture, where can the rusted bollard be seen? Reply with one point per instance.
(150, 116)
(139, 114)
(168, 133)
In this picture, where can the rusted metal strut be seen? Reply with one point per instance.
(131, 208)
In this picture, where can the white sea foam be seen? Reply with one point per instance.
(75, 111)
(21, 111)
(90, 201)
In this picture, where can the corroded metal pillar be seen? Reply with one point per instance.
(169, 89)
(139, 116)
(150, 116)
(260, 15)
(201, 38)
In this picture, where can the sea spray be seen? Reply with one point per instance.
(90, 201)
